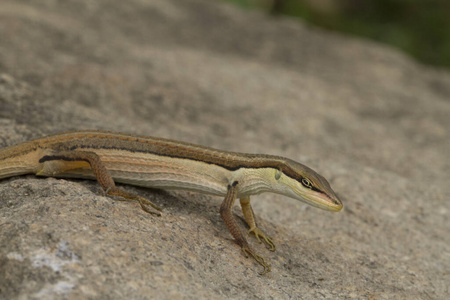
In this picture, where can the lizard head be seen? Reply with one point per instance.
(302, 183)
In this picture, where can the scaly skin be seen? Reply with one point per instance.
(111, 157)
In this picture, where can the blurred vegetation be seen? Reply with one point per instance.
(418, 27)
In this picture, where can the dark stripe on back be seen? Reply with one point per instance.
(228, 160)
(176, 149)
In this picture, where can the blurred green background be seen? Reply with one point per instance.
(418, 27)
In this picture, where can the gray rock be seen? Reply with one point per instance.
(365, 116)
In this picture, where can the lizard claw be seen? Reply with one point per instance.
(259, 259)
(258, 233)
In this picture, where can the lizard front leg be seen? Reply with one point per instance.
(249, 216)
(232, 225)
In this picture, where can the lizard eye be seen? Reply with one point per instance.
(306, 183)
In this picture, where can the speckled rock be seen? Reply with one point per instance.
(368, 118)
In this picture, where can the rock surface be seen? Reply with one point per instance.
(371, 120)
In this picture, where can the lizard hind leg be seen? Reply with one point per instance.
(64, 161)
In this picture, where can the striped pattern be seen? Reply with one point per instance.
(103, 141)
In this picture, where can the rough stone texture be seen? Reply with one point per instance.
(365, 116)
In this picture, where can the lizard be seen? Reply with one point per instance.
(111, 157)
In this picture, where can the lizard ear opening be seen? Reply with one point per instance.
(277, 174)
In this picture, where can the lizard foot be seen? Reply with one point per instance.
(258, 258)
(258, 233)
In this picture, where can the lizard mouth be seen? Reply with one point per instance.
(325, 202)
